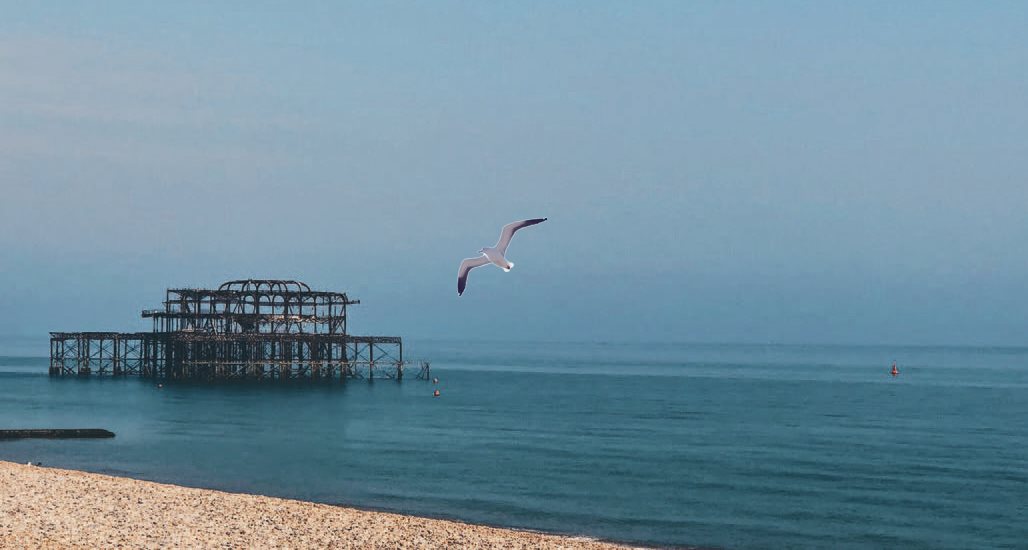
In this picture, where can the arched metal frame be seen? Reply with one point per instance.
(244, 329)
(248, 306)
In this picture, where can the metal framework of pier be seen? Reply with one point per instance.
(243, 330)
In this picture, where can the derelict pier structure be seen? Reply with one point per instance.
(243, 330)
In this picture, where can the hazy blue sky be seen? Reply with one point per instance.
(729, 171)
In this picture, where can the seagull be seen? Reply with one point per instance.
(493, 255)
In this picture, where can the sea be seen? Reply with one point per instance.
(677, 445)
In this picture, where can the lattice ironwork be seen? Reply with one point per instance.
(245, 329)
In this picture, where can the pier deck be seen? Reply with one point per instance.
(245, 330)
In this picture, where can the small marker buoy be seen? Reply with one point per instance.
(894, 370)
(436, 394)
(435, 380)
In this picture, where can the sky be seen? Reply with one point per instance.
(764, 172)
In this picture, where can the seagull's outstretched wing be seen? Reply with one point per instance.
(508, 232)
(466, 266)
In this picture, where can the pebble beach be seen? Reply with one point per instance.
(44, 507)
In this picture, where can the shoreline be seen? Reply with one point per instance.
(55, 508)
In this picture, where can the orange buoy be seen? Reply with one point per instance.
(894, 370)
(436, 394)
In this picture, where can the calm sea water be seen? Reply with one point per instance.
(708, 445)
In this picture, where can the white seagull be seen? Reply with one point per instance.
(493, 255)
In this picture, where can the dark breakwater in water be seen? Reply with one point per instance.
(48, 433)
(710, 445)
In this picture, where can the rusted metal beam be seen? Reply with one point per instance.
(257, 329)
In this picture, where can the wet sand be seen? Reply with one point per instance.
(43, 507)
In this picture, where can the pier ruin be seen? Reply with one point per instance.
(243, 330)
